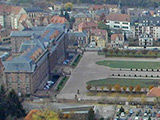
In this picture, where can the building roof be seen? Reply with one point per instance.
(146, 21)
(99, 32)
(145, 35)
(118, 17)
(23, 17)
(58, 19)
(114, 36)
(77, 34)
(88, 24)
(106, 6)
(32, 49)
(9, 9)
(154, 92)
(33, 9)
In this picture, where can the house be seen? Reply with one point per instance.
(154, 92)
(118, 21)
(145, 40)
(39, 57)
(117, 41)
(108, 7)
(77, 39)
(87, 26)
(100, 37)
(33, 12)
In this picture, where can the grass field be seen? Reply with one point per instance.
(124, 82)
(130, 64)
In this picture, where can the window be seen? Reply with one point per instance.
(116, 22)
(124, 27)
(125, 23)
(115, 26)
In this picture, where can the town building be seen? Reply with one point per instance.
(77, 39)
(117, 41)
(145, 40)
(149, 25)
(87, 26)
(118, 21)
(100, 37)
(40, 55)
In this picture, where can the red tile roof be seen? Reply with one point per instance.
(9, 9)
(114, 36)
(97, 7)
(23, 17)
(58, 19)
(55, 34)
(118, 17)
(154, 92)
(88, 24)
(99, 32)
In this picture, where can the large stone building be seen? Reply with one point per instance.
(39, 57)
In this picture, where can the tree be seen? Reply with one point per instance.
(117, 88)
(3, 104)
(131, 88)
(66, 15)
(102, 88)
(42, 115)
(150, 87)
(130, 99)
(91, 115)
(88, 87)
(124, 88)
(138, 88)
(68, 6)
(15, 106)
(109, 87)
(143, 99)
(103, 26)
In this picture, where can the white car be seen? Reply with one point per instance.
(136, 118)
(122, 114)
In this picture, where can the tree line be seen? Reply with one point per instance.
(129, 3)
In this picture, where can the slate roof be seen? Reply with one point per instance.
(146, 21)
(77, 34)
(33, 9)
(32, 48)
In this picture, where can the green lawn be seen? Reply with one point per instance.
(76, 61)
(124, 82)
(130, 64)
(62, 83)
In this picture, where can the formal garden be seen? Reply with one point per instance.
(129, 53)
(130, 64)
(122, 85)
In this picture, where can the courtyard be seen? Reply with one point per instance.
(88, 70)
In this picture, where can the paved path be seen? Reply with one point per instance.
(87, 70)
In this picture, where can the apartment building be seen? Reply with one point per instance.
(118, 21)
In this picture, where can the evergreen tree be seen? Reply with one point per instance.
(3, 104)
(15, 106)
(67, 16)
